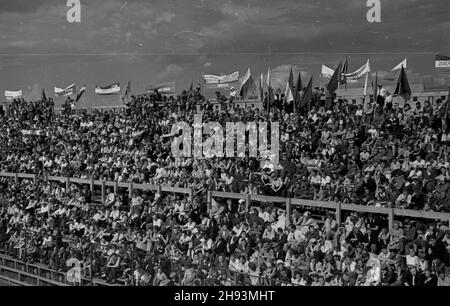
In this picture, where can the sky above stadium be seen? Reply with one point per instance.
(150, 41)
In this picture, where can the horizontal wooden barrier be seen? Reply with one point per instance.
(338, 207)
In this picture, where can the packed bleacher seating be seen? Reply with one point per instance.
(382, 156)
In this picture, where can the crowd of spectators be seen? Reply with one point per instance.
(168, 239)
(376, 154)
(381, 154)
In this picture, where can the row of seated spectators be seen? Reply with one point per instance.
(167, 239)
(381, 155)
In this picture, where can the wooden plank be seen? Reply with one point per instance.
(321, 204)
(422, 214)
(367, 209)
(230, 195)
(262, 198)
(175, 189)
(80, 181)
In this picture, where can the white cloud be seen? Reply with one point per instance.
(171, 70)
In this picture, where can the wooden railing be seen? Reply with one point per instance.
(288, 202)
(26, 274)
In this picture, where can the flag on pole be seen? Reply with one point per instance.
(261, 88)
(402, 88)
(288, 93)
(247, 86)
(108, 90)
(299, 87)
(365, 84)
(402, 64)
(344, 71)
(80, 94)
(127, 90)
(66, 92)
(307, 97)
(44, 96)
(334, 82)
(291, 81)
(326, 72)
(270, 95)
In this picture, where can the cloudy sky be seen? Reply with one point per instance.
(150, 41)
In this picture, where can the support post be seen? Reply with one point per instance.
(116, 187)
(209, 200)
(248, 202)
(103, 192)
(391, 219)
(191, 195)
(130, 190)
(288, 211)
(338, 213)
(67, 184)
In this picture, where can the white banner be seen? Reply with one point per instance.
(13, 94)
(109, 90)
(327, 72)
(442, 64)
(69, 90)
(214, 79)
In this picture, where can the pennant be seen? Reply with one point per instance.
(68, 91)
(402, 64)
(334, 82)
(402, 88)
(128, 90)
(442, 61)
(327, 72)
(365, 85)
(344, 71)
(291, 82)
(307, 97)
(288, 93)
(261, 88)
(270, 95)
(247, 86)
(299, 87)
(80, 94)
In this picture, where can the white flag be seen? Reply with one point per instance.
(327, 72)
(399, 66)
(288, 93)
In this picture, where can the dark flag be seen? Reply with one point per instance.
(402, 88)
(80, 94)
(291, 81)
(334, 82)
(298, 88)
(126, 95)
(248, 86)
(44, 96)
(307, 97)
(343, 79)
